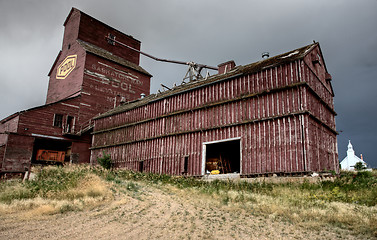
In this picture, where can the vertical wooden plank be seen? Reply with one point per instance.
(253, 144)
(258, 148)
(269, 149)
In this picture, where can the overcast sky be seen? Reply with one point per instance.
(208, 32)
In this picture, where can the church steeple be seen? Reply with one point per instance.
(350, 150)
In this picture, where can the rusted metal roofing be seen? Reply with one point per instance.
(108, 55)
(237, 71)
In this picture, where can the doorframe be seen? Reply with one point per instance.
(204, 151)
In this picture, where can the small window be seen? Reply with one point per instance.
(185, 164)
(58, 120)
(110, 39)
(70, 124)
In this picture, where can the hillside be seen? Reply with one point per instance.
(84, 203)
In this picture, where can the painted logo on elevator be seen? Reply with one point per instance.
(66, 67)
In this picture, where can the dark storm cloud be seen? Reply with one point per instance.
(208, 32)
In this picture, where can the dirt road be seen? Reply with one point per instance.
(160, 212)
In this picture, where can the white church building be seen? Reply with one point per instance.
(351, 159)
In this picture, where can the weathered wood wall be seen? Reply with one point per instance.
(9, 125)
(18, 153)
(283, 115)
(81, 27)
(102, 75)
(2, 152)
(40, 119)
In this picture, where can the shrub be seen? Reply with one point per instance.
(359, 166)
(105, 161)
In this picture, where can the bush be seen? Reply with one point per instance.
(105, 161)
(359, 166)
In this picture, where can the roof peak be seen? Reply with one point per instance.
(350, 145)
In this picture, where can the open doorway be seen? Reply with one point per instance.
(223, 156)
(50, 151)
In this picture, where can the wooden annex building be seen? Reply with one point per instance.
(272, 116)
(89, 76)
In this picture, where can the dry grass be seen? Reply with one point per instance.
(75, 189)
(90, 191)
(298, 206)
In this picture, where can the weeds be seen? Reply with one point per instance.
(349, 201)
(311, 204)
(55, 190)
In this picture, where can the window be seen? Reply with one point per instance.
(70, 124)
(319, 59)
(58, 120)
(185, 164)
(111, 39)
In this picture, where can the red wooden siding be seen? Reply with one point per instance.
(102, 76)
(18, 153)
(2, 152)
(228, 90)
(93, 31)
(9, 125)
(267, 146)
(322, 149)
(59, 89)
(285, 124)
(79, 28)
(202, 118)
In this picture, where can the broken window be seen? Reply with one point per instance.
(58, 120)
(70, 124)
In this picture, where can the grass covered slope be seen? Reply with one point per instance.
(346, 205)
(55, 190)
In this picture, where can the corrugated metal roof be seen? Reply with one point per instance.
(108, 55)
(237, 71)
